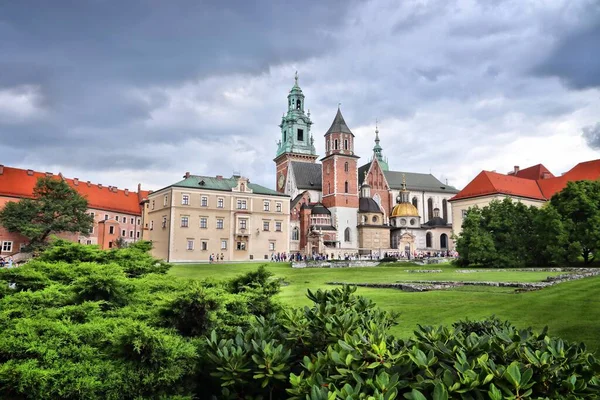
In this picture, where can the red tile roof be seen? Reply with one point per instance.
(490, 183)
(535, 172)
(15, 182)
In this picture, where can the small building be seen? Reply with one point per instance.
(232, 218)
(120, 207)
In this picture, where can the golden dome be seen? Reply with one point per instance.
(404, 210)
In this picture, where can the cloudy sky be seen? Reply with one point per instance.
(121, 92)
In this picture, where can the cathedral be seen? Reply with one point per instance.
(339, 207)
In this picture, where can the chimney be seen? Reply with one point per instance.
(187, 175)
(516, 169)
(30, 172)
(48, 174)
(76, 181)
(219, 177)
(1, 169)
(126, 192)
(139, 187)
(150, 191)
(99, 186)
(89, 183)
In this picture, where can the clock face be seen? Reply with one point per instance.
(281, 181)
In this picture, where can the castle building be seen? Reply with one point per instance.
(201, 216)
(339, 206)
(117, 212)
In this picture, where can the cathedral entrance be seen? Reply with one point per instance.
(407, 244)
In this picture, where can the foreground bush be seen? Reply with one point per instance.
(78, 324)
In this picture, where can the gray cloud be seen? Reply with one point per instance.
(591, 134)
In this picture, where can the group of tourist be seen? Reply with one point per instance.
(419, 255)
(213, 258)
(8, 262)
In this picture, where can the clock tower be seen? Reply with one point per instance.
(296, 143)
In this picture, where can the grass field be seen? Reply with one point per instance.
(571, 310)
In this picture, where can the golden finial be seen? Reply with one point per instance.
(403, 182)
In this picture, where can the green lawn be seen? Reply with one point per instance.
(571, 310)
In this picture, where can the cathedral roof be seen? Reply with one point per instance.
(417, 182)
(367, 204)
(436, 221)
(320, 209)
(307, 175)
(339, 125)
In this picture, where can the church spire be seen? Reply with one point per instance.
(378, 150)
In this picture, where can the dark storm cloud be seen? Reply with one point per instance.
(575, 59)
(591, 134)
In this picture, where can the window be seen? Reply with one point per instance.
(92, 229)
(106, 217)
(89, 242)
(166, 200)
(241, 245)
(123, 232)
(328, 187)
(415, 202)
(131, 234)
(111, 230)
(139, 221)
(278, 226)
(300, 135)
(375, 219)
(241, 204)
(137, 234)
(298, 104)
(204, 245)
(204, 201)
(428, 239)
(7, 246)
(346, 166)
(242, 187)
(185, 199)
(265, 225)
(219, 223)
(271, 246)
(445, 211)
(464, 213)
(185, 222)
(296, 233)
(429, 208)
(203, 222)
(153, 204)
(346, 187)
(345, 144)
(347, 235)
(278, 207)
(443, 241)
(190, 244)
(243, 223)
(220, 202)
(164, 221)
(266, 205)
(152, 224)
(92, 215)
(223, 244)
(131, 220)
(335, 144)
(117, 219)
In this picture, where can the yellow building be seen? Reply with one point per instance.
(226, 218)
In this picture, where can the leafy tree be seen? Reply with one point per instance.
(55, 207)
(578, 205)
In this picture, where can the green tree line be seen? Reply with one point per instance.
(508, 234)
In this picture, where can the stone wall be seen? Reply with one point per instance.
(335, 264)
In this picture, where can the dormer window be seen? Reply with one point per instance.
(242, 187)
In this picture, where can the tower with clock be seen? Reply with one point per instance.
(296, 143)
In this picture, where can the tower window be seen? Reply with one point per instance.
(335, 144)
(429, 208)
(346, 187)
(284, 136)
(347, 235)
(346, 144)
(415, 202)
(298, 104)
(346, 166)
(300, 135)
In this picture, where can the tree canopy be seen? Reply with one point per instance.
(54, 208)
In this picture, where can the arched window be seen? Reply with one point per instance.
(298, 104)
(428, 240)
(347, 235)
(242, 187)
(295, 233)
(436, 213)
(335, 144)
(377, 199)
(415, 202)
(346, 187)
(327, 145)
(443, 241)
(284, 136)
(429, 208)
(346, 166)
(346, 144)
(445, 209)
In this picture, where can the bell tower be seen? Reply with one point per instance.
(296, 143)
(340, 180)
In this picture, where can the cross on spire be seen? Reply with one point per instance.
(296, 77)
